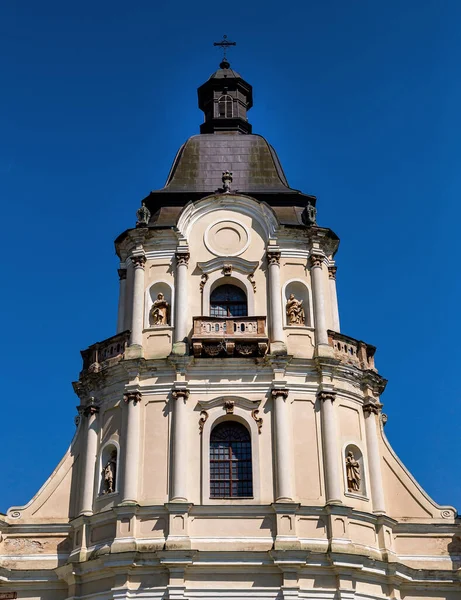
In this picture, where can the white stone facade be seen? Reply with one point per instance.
(310, 397)
(227, 448)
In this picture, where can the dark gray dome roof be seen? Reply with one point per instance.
(199, 165)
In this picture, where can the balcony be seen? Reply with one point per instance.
(105, 354)
(229, 336)
(351, 351)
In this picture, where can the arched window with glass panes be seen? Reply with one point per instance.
(225, 107)
(228, 301)
(230, 461)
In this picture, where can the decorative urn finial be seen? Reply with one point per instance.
(226, 181)
(143, 216)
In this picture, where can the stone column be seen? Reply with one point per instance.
(90, 450)
(121, 301)
(371, 411)
(137, 315)
(181, 303)
(180, 454)
(333, 298)
(277, 337)
(333, 475)
(320, 322)
(131, 447)
(283, 455)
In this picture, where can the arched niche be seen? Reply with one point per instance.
(109, 460)
(301, 292)
(353, 464)
(158, 287)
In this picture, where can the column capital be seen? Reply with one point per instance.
(182, 258)
(316, 259)
(121, 273)
(180, 393)
(90, 410)
(372, 408)
(323, 395)
(273, 257)
(138, 261)
(134, 397)
(283, 392)
(332, 272)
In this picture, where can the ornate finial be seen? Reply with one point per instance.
(224, 44)
(226, 181)
(142, 215)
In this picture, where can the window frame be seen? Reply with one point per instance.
(227, 304)
(230, 459)
(228, 102)
(242, 414)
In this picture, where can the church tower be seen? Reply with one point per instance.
(230, 438)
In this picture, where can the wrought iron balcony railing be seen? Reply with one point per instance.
(229, 336)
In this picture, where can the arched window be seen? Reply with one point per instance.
(225, 108)
(230, 461)
(228, 301)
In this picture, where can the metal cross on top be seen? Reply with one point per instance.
(224, 44)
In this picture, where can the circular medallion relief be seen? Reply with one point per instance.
(227, 238)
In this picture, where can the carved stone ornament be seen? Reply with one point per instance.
(245, 349)
(295, 311)
(384, 418)
(109, 473)
(160, 310)
(143, 216)
(91, 408)
(316, 260)
(180, 393)
(352, 473)
(202, 420)
(182, 258)
(122, 274)
(251, 279)
(134, 397)
(229, 407)
(226, 181)
(282, 392)
(310, 214)
(227, 270)
(258, 420)
(203, 279)
(326, 395)
(273, 257)
(372, 408)
(138, 261)
(332, 272)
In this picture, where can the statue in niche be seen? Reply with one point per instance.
(159, 311)
(108, 473)
(352, 473)
(295, 311)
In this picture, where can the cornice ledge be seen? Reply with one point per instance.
(325, 238)
(239, 264)
(238, 401)
(375, 382)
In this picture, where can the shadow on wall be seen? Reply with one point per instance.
(454, 550)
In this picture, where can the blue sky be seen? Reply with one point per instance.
(360, 99)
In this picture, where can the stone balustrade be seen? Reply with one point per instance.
(105, 353)
(229, 336)
(352, 351)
